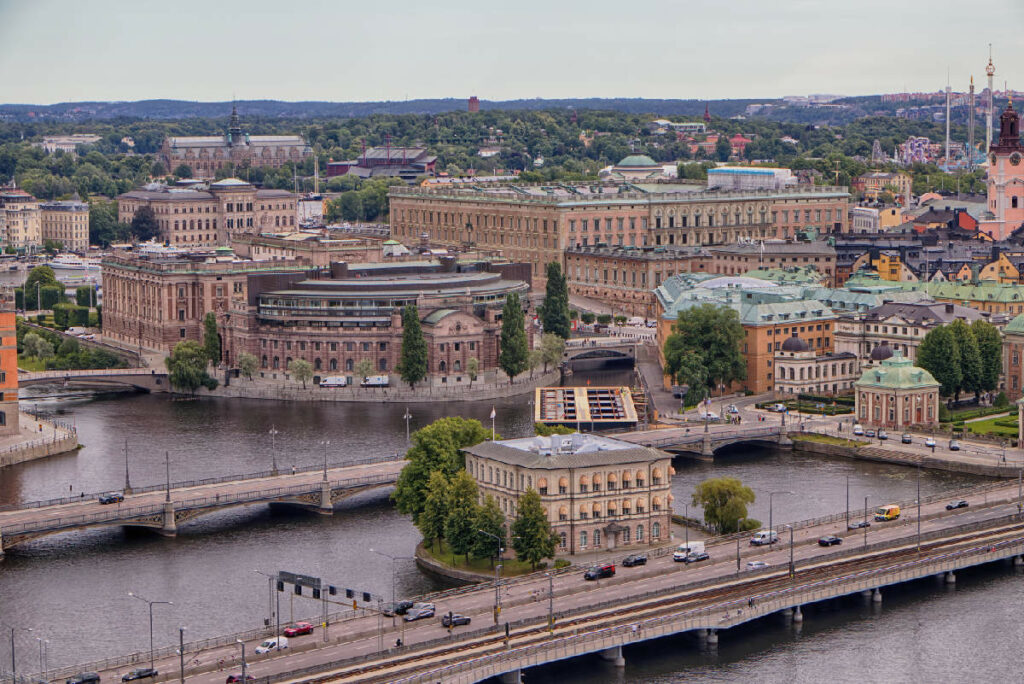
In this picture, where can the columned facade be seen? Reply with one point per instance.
(896, 394)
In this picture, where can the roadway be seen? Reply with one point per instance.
(527, 598)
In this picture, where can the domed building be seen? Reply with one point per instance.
(636, 167)
(881, 353)
(897, 394)
(799, 370)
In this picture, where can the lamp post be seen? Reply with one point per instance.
(919, 508)
(14, 668)
(326, 443)
(551, 603)
(493, 414)
(151, 604)
(394, 572)
(865, 521)
(274, 611)
(407, 417)
(44, 644)
(497, 571)
(242, 644)
(273, 432)
(792, 564)
(686, 526)
(127, 480)
(771, 496)
(167, 464)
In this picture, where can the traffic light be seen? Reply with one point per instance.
(298, 590)
(332, 590)
(349, 593)
(316, 593)
(280, 585)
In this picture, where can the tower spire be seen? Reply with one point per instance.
(990, 71)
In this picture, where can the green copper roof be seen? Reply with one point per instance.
(637, 160)
(895, 373)
(1016, 325)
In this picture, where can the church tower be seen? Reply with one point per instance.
(990, 71)
(235, 127)
(1005, 178)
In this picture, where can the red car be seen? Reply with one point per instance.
(298, 629)
(237, 678)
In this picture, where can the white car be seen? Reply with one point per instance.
(929, 442)
(858, 430)
(272, 644)
(756, 565)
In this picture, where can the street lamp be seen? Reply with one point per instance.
(44, 645)
(127, 480)
(242, 644)
(14, 669)
(771, 496)
(497, 572)
(167, 464)
(792, 565)
(326, 443)
(394, 572)
(151, 604)
(274, 432)
(407, 417)
(270, 605)
(551, 602)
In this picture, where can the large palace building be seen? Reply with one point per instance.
(535, 224)
(205, 154)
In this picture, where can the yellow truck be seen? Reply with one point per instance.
(887, 512)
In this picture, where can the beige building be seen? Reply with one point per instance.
(798, 370)
(897, 394)
(313, 248)
(66, 223)
(22, 224)
(67, 144)
(214, 214)
(600, 494)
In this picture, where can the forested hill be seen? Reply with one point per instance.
(181, 109)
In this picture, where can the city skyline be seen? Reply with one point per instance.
(333, 52)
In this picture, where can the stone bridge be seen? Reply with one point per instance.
(598, 351)
(694, 440)
(142, 379)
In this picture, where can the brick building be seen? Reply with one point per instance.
(1013, 358)
(66, 223)
(8, 375)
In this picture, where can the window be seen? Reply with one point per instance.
(583, 539)
(656, 530)
(561, 540)
(597, 537)
(639, 533)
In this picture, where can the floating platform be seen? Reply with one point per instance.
(592, 408)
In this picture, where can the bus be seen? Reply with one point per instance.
(887, 512)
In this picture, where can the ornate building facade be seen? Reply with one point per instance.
(897, 394)
(1005, 179)
(66, 223)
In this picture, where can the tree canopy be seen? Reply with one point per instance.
(187, 366)
(704, 347)
(248, 364)
(532, 537)
(412, 365)
(725, 501)
(211, 338)
(555, 311)
(514, 355)
(301, 370)
(144, 224)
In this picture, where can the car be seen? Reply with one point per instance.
(764, 538)
(830, 540)
(858, 430)
(882, 434)
(960, 503)
(635, 559)
(777, 408)
(731, 408)
(599, 571)
(858, 525)
(756, 565)
(237, 677)
(869, 433)
(139, 673)
(298, 629)
(929, 443)
(419, 611)
(709, 415)
(954, 445)
(397, 608)
(906, 438)
(110, 498)
(697, 557)
(83, 678)
(454, 620)
(272, 644)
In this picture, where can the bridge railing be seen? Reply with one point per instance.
(205, 481)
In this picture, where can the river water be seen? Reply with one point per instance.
(73, 589)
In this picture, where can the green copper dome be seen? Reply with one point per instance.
(637, 160)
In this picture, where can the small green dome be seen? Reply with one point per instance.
(637, 160)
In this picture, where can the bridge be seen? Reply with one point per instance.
(694, 440)
(597, 351)
(141, 379)
(162, 507)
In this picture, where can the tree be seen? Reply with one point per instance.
(552, 347)
(186, 367)
(514, 354)
(38, 278)
(725, 501)
(531, 532)
(435, 509)
(686, 366)
(587, 317)
(247, 364)
(34, 345)
(990, 348)
(459, 523)
(472, 368)
(211, 338)
(435, 448)
(939, 355)
(543, 430)
(302, 370)
(712, 335)
(412, 365)
(970, 359)
(183, 171)
(68, 347)
(555, 313)
(722, 148)
(144, 224)
(85, 295)
(489, 518)
(364, 368)
(534, 358)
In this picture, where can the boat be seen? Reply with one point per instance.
(73, 262)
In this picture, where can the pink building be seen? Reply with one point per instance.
(1005, 179)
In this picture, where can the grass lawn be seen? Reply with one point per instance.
(989, 427)
(509, 567)
(31, 363)
(825, 439)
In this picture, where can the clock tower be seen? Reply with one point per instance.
(1005, 179)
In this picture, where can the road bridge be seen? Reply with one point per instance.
(141, 379)
(162, 507)
(596, 351)
(694, 440)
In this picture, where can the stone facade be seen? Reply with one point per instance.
(799, 370)
(1013, 358)
(22, 221)
(66, 223)
(600, 494)
(312, 248)
(896, 394)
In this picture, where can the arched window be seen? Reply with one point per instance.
(639, 505)
(334, 364)
(625, 536)
(597, 537)
(442, 367)
(542, 486)
(382, 364)
(563, 513)
(264, 364)
(349, 365)
(563, 485)
(458, 365)
(656, 531)
(277, 362)
(639, 533)
(584, 484)
(317, 365)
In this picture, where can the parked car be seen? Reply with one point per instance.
(954, 445)
(139, 673)
(858, 430)
(929, 443)
(731, 409)
(237, 677)
(397, 608)
(756, 565)
(110, 498)
(697, 557)
(830, 540)
(907, 438)
(83, 678)
(635, 559)
(600, 571)
(777, 408)
(882, 434)
(272, 644)
(858, 525)
(419, 611)
(869, 433)
(960, 503)
(454, 620)
(298, 629)
(709, 415)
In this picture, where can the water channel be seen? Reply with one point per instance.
(73, 589)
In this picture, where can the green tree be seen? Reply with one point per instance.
(514, 354)
(85, 295)
(183, 171)
(710, 336)
(38, 278)
(301, 370)
(939, 355)
(489, 518)
(990, 348)
(435, 509)
(52, 296)
(459, 523)
(722, 148)
(555, 313)
(552, 347)
(211, 338)
(144, 224)
(68, 347)
(364, 368)
(588, 317)
(435, 448)
(472, 368)
(412, 365)
(186, 367)
(35, 346)
(971, 378)
(542, 430)
(532, 537)
(534, 358)
(686, 366)
(725, 501)
(248, 364)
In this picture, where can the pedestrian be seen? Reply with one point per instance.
(293, 469)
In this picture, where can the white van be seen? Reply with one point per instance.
(764, 537)
(375, 381)
(692, 547)
(858, 429)
(273, 644)
(334, 381)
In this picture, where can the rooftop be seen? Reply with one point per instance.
(565, 451)
(897, 372)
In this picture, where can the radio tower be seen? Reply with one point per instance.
(970, 131)
(948, 92)
(991, 71)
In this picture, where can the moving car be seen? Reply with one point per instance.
(929, 443)
(777, 408)
(858, 525)
(907, 438)
(960, 503)
(830, 540)
(869, 433)
(635, 559)
(272, 644)
(599, 571)
(398, 608)
(419, 611)
(954, 445)
(756, 565)
(139, 673)
(110, 498)
(697, 557)
(882, 434)
(237, 677)
(298, 629)
(858, 430)
(764, 537)
(887, 512)
(731, 409)
(454, 620)
(83, 678)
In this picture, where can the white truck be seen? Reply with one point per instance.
(375, 381)
(684, 550)
(334, 381)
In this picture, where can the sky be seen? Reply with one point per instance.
(372, 50)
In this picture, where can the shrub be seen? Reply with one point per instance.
(944, 415)
(604, 319)
(588, 317)
(561, 563)
(1001, 401)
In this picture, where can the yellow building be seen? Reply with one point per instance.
(66, 223)
(999, 271)
(888, 265)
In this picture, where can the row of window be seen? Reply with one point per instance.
(316, 346)
(593, 539)
(318, 364)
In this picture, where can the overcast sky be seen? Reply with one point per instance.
(367, 50)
